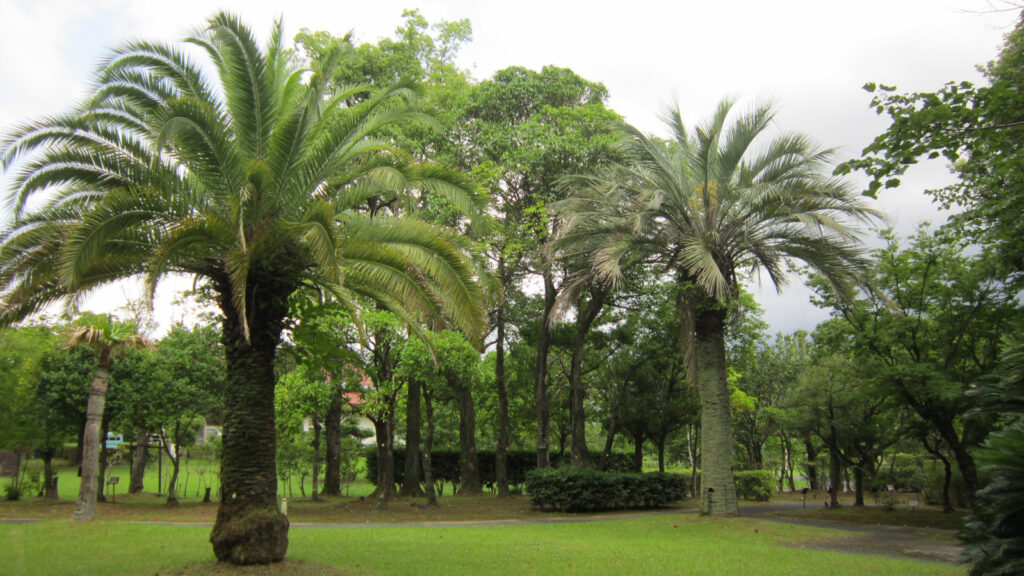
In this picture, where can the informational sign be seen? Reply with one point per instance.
(113, 441)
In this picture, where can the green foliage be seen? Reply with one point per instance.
(757, 485)
(584, 490)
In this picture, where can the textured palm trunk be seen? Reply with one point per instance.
(249, 528)
(718, 489)
(332, 462)
(85, 507)
(540, 380)
(413, 425)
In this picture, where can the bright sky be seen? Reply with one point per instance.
(810, 57)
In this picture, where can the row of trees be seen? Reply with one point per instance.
(352, 203)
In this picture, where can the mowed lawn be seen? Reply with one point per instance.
(665, 544)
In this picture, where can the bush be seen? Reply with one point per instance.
(445, 465)
(583, 490)
(758, 485)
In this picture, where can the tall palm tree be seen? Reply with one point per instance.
(707, 206)
(107, 339)
(256, 182)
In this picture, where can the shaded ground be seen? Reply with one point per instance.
(928, 544)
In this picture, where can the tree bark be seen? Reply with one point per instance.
(413, 425)
(49, 477)
(138, 472)
(501, 450)
(541, 397)
(175, 458)
(858, 491)
(584, 321)
(718, 489)
(85, 507)
(835, 478)
(428, 446)
(332, 463)
(316, 458)
(638, 454)
(249, 528)
(469, 466)
(812, 466)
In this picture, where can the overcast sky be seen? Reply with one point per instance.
(809, 57)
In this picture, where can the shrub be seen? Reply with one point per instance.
(584, 490)
(758, 485)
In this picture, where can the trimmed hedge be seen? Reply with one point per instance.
(756, 485)
(445, 465)
(583, 490)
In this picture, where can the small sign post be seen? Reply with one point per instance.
(112, 482)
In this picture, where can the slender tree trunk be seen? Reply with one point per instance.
(413, 425)
(385, 462)
(249, 528)
(661, 454)
(428, 446)
(332, 463)
(138, 472)
(693, 447)
(85, 507)
(541, 397)
(718, 489)
(469, 466)
(613, 429)
(638, 453)
(49, 477)
(964, 460)
(812, 466)
(316, 458)
(584, 321)
(175, 458)
(501, 450)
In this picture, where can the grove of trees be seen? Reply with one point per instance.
(499, 267)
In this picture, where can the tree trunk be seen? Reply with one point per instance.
(413, 425)
(249, 528)
(332, 463)
(385, 462)
(85, 507)
(585, 317)
(501, 450)
(316, 458)
(638, 454)
(49, 477)
(661, 454)
(175, 458)
(469, 466)
(964, 460)
(541, 397)
(428, 446)
(812, 466)
(718, 489)
(835, 478)
(858, 491)
(138, 473)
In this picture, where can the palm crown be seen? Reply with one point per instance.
(258, 175)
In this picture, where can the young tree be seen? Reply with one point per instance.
(256, 181)
(107, 338)
(708, 206)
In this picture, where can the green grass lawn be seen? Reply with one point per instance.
(669, 544)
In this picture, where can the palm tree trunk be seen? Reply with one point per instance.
(249, 528)
(85, 507)
(718, 489)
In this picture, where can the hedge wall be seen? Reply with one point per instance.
(582, 490)
(445, 465)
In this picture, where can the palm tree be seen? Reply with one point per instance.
(107, 339)
(256, 182)
(706, 207)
